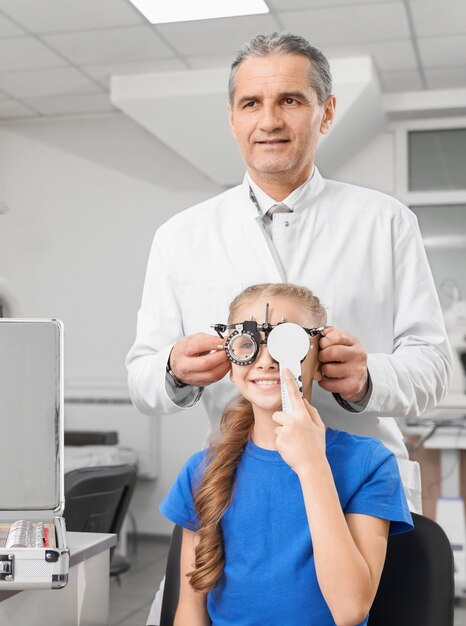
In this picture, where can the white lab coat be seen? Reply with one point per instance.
(359, 250)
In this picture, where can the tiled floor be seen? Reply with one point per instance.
(130, 603)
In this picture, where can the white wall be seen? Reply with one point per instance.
(373, 167)
(85, 197)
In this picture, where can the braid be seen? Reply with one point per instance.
(214, 495)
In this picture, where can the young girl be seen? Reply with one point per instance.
(284, 522)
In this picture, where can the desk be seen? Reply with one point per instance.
(83, 602)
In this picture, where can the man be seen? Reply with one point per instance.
(359, 250)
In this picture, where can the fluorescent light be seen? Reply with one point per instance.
(161, 12)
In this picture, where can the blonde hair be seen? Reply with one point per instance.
(213, 496)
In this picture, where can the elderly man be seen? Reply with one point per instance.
(359, 250)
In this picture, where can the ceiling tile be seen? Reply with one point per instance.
(114, 39)
(71, 105)
(26, 53)
(119, 45)
(401, 81)
(446, 78)
(290, 5)
(51, 16)
(220, 36)
(204, 62)
(434, 19)
(443, 51)
(10, 109)
(50, 82)
(388, 55)
(8, 29)
(346, 25)
(103, 73)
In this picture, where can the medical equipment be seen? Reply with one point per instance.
(35, 551)
(288, 344)
(27, 534)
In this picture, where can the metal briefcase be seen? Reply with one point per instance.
(31, 456)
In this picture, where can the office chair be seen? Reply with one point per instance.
(97, 500)
(171, 589)
(417, 586)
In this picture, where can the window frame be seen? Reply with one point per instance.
(401, 130)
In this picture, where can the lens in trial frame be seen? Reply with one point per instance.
(242, 347)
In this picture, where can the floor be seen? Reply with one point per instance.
(130, 602)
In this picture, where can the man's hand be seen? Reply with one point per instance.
(343, 365)
(195, 360)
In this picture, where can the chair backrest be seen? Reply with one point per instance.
(171, 590)
(97, 498)
(417, 587)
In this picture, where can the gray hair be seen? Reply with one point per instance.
(284, 43)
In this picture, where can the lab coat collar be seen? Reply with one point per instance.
(298, 199)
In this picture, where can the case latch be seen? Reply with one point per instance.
(6, 567)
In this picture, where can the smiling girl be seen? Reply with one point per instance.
(284, 522)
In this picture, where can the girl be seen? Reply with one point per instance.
(284, 522)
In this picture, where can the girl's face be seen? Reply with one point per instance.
(259, 382)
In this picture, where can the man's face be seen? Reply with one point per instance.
(276, 117)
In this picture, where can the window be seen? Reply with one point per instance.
(437, 159)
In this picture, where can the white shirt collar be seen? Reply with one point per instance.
(294, 200)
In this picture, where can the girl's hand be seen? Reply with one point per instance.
(300, 435)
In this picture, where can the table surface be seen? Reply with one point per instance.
(84, 545)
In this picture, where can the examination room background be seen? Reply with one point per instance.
(85, 194)
(74, 245)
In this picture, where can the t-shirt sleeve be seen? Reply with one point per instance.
(381, 491)
(178, 504)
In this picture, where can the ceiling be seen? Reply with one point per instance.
(57, 56)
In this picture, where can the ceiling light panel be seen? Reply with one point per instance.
(187, 10)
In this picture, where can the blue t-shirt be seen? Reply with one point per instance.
(269, 575)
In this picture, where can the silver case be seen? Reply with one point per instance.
(31, 449)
